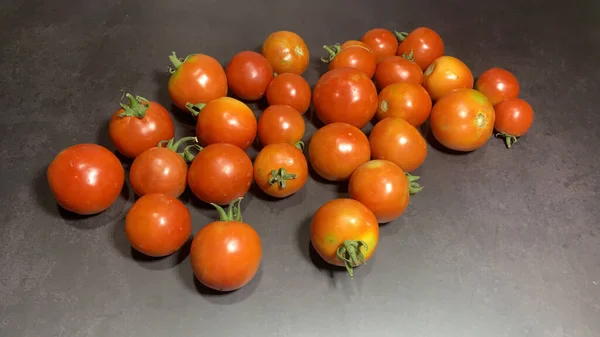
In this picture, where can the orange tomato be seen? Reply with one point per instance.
(280, 170)
(394, 139)
(498, 84)
(350, 43)
(280, 124)
(354, 56)
(381, 41)
(287, 52)
(405, 100)
(513, 119)
(397, 69)
(289, 89)
(423, 44)
(446, 74)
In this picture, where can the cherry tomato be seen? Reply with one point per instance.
(86, 178)
(287, 52)
(196, 79)
(345, 95)
(354, 56)
(397, 69)
(139, 126)
(513, 119)
(382, 41)
(158, 225)
(248, 75)
(160, 170)
(446, 74)
(424, 44)
(289, 89)
(405, 100)
(463, 120)
(337, 149)
(280, 124)
(345, 233)
(498, 84)
(280, 170)
(226, 120)
(350, 43)
(226, 254)
(396, 140)
(220, 174)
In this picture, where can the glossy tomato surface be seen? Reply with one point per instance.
(289, 89)
(158, 170)
(345, 95)
(85, 178)
(158, 225)
(248, 75)
(354, 56)
(280, 170)
(226, 120)
(280, 124)
(337, 149)
(514, 117)
(498, 84)
(423, 44)
(397, 69)
(350, 43)
(396, 140)
(405, 100)
(287, 52)
(381, 41)
(446, 74)
(463, 120)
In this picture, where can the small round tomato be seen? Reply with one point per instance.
(226, 120)
(158, 225)
(287, 52)
(280, 124)
(513, 119)
(405, 100)
(220, 174)
(280, 170)
(86, 178)
(160, 170)
(396, 140)
(446, 74)
(354, 56)
(226, 254)
(345, 95)
(498, 84)
(289, 89)
(381, 41)
(350, 43)
(337, 149)
(463, 120)
(424, 44)
(248, 75)
(139, 126)
(344, 232)
(397, 69)
(196, 79)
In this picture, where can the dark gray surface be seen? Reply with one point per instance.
(500, 243)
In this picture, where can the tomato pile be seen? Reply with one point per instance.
(400, 80)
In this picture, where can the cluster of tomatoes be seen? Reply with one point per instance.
(400, 79)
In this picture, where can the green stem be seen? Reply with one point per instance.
(410, 56)
(175, 61)
(195, 109)
(509, 140)
(137, 106)
(300, 145)
(233, 212)
(333, 50)
(280, 177)
(413, 186)
(174, 146)
(400, 35)
(189, 156)
(350, 253)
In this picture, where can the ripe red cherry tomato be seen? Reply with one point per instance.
(397, 69)
(345, 95)
(196, 79)
(226, 254)
(139, 126)
(513, 119)
(498, 84)
(354, 56)
(350, 43)
(337, 149)
(394, 139)
(248, 75)
(158, 225)
(446, 74)
(287, 52)
(424, 44)
(86, 178)
(280, 170)
(220, 174)
(280, 124)
(289, 89)
(405, 100)
(381, 41)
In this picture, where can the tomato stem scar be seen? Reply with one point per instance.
(349, 252)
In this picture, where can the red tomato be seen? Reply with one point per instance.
(345, 95)
(280, 170)
(381, 41)
(345, 233)
(226, 254)
(350, 43)
(397, 69)
(86, 178)
(289, 89)
(287, 52)
(424, 44)
(337, 149)
(280, 124)
(226, 120)
(196, 79)
(513, 119)
(158, 225)
(248, 75)
(498, 84)
(405, 100)
(354, 56)
(220, 174)
(463, 120)
(446, 74)
(139, 126)
(394, 139)
(160, 170)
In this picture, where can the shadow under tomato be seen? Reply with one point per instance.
(341, 186)
(103, 137)
(320, 66)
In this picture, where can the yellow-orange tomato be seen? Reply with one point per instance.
(287, 52)
(405, 100)
(446, 74)
(394, 139)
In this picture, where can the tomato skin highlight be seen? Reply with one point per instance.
(397, 69)
(280, 124)
(158, 170)
(280, 170)
(396, 140)
(514, 118)
(381, 41)
(158, 225)
(424, 44)
(354, 56)
(290, 89)
(248, 75)
(446, 74)
(405, 100)
(498, 84)
(287, 52)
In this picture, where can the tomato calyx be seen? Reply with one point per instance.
(413, 186)
(409, 56)
(195, 109)
(333, 50)
(300, 145)
(401, 36)
(349, 252)
(280, 177)
(233, 213)
(137, 106)
(173, 145)
(509, 140)
(176, 62)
